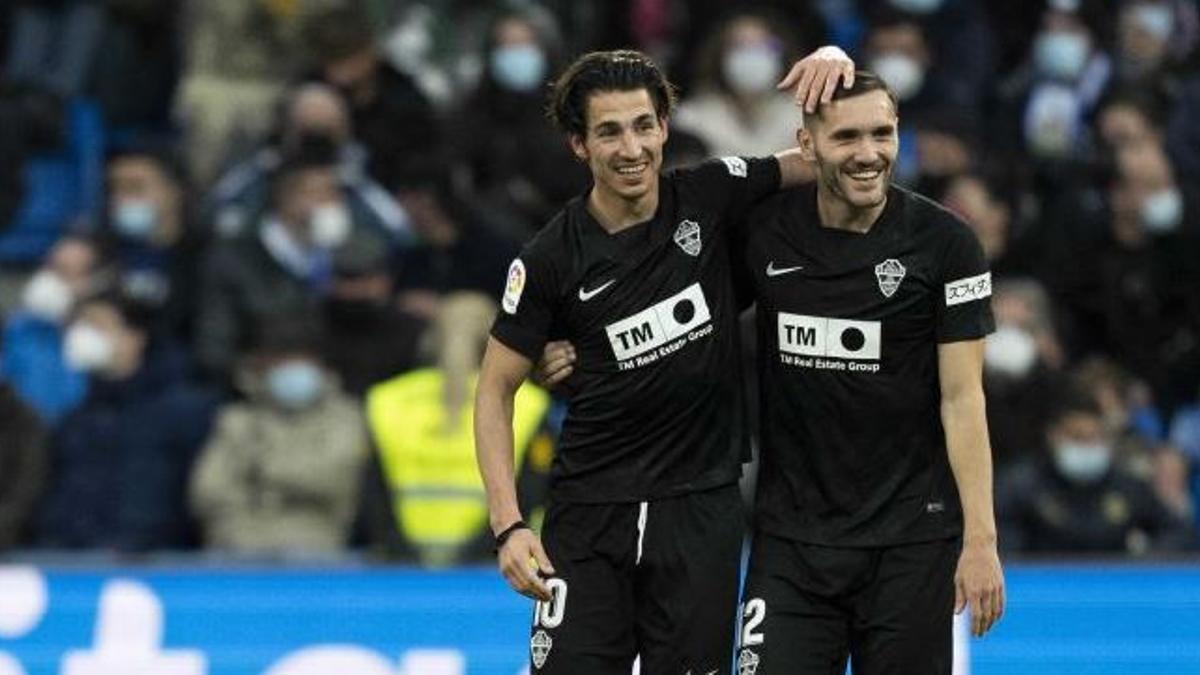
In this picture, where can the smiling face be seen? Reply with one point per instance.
(623, 144)
(854, 143)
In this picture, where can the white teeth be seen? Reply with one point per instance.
(865, 175)
(631, 170)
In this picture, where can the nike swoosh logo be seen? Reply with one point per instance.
(773, 271)
(586, 295)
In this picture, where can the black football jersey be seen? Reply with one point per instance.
(656, 403)
(853, 450)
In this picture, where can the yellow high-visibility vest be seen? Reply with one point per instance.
(437, 494)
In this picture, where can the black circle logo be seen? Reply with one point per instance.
(684, 310)
(853, 339)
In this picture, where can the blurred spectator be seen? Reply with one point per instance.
(158, 245)
(426, 498)
(281, 471)
(311, 114)
(1126, 118)
(460, 251)
(1078, 499)
(32, 358)
(1047, 102)
(390, 115)
(22, 466)
(1130, 418)
(517, 165)
(240, 55)
(1023, 362)
(282, 266)
(53, 44)
(735, 108)
(1149, 42)
(120, 461)
(896, 48)
(960, 41)
(1123, 269)
(367, 338)
(990, 213)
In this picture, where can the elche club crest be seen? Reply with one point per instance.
(687, 235)
(747, 662)
(539, 648)
(889, 273)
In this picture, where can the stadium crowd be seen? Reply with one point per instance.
(250, 249)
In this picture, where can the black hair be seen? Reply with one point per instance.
(619, 70)
(1073, 400)
(163, 154)
(299, 332)
(136, 314)
(865, 82)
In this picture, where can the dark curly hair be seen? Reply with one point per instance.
(620, 70)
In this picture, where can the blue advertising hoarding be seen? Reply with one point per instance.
(164, 620)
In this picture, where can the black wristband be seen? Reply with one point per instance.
(503, 536)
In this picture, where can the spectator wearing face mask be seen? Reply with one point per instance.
(1077, 499)
(280, 474)
(282, 266)
(390, 115)
(424, 497)
(736, 109)
(1047, 102)
(121, 459)
(32, 349)
(1122, 266)
(310, 114)
(516, 164)
(368, 339)
(1023, 369)
(157, 243)
(1150, 42)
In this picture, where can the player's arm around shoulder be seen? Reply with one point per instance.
(519, 551)
(979, 580)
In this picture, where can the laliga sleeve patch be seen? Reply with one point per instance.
(514, 286)
(735, 165)
(971, 288)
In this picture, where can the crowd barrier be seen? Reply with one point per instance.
(193, 619)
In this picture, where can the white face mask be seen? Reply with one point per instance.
(902, 73)
(329, 225)
(752, 69)
(1061, 54)
(1010, 351)
(47, 296)
(1162, 211)
(135, 219)
(1156, 19)
(88, 348)
(518, 67)
(1082, 462)
(295, 384)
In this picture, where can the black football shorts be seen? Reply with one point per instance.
(808, 608)
(654, 579)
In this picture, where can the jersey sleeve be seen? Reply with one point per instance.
(964, 303)
(527, 307)
(730, 185)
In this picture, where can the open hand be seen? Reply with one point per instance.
(816, 76)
